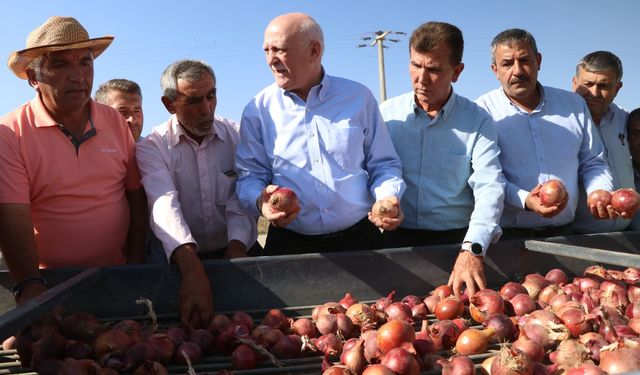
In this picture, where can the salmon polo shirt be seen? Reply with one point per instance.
(78, 205)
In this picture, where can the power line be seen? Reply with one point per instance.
(378, 38)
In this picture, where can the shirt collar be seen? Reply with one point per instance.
(43, 117)
(178, 132)
(320, 90)
(538, 108)
(443, 113)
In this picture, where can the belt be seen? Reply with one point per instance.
(334, 235)
(562, 230)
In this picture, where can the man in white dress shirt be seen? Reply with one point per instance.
(187, 167)
(598, 80)
(544, 133)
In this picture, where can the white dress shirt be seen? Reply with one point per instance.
(557, 140)
(613, 132)
(191, 187)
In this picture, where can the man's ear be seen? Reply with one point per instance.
(316, 50)
(31, 78)
(168, 104)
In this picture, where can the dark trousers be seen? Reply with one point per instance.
(527, 233)
(253, 251)
(402, 237)
(363, 235)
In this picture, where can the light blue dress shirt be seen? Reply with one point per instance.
(557, 140)
(450, 165)
(334, 151)
(613, 132)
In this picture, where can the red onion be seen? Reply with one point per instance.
(401, 361)
(378, 369)
(419, 311)
(534, 283)
(274, 318)
(204, 339)
(484, 303)
(631, 275)
(570, 353)
(511, 362)
(138, 354)
(423, 343)
(510, 289)
(586, 284)
(633, 293)
(593, 342)
(244, 358)
(399, 311)
(576, 321)
(78, 350)
(80, 326)
(241, 317)
(219, 322)
(304, 327)
(461, 323)
(327, 308)
(382, 303)
(361, 315)
(558, 300)
(443, 291)
(332, 323)
(394, 334)
(457, 365)
(353, 357)
(634, 324)
(549, 292)
(163, 345)
(614, 294)
(504, 328)
(132, 328)
(532, 348)
(557, 277)
(620, 360)
(266, 336)
(289, 346)
(411, 300)
(347, 301)
(444, 334)
(329, 344)
(431, 302)
(190, 350)
(150, 368)
(177, 334)
(522, 304)
(595, 271)
(585, 369)
(111, 341)
(449, 308)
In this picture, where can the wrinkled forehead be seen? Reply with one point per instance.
(80, 53)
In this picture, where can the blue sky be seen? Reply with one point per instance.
(228, 35)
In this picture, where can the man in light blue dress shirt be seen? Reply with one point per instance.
(598, 79)
(544, 133)
(633, 131)
(324, 138)
(449, 153)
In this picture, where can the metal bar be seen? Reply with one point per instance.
(25, 314)
(585, 253)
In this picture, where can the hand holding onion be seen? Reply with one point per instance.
(625, 202)
(279, 205)
(548, 199)
(386, 213)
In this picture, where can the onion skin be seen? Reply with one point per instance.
(401, 361)
(449, 308)
(620, 360)
(522, 304)
(504, 328)
(457, 365)
(353, 357)
(444, 334)
(533, 349)
(484, 303)
(378, 369)
(511, 362)
(585, 369)
(395, 334)
(399, 311)
(347, 301)
(510, 289)
(557, 277)
(474, 341)
(553, 192)
(534, 283)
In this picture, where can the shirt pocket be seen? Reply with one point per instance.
(225, 188)
(454, 170)
(345, 145)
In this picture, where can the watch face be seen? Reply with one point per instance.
(476, 248)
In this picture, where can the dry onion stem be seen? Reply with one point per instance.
(152, 313)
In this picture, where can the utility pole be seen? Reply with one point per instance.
(378, 38)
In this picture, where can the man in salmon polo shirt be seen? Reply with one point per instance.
(70, 191)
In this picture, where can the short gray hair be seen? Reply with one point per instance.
(190, 70)
(119, 84)
(601, 61)
(510, 36)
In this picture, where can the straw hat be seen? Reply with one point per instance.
(57, 34)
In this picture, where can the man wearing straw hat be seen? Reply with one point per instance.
(70, 192)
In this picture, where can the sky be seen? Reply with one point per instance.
(150, 35)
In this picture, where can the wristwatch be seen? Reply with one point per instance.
(473, 247)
